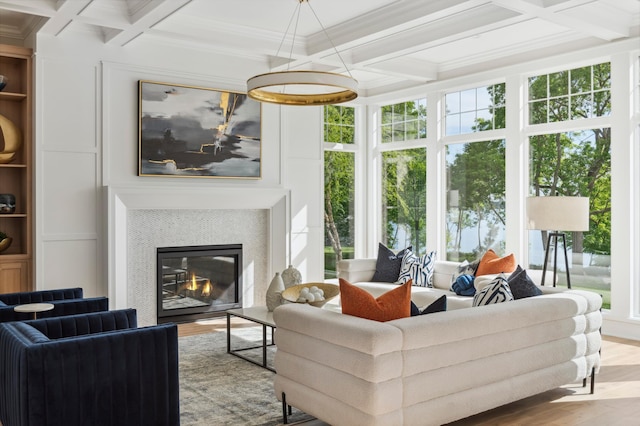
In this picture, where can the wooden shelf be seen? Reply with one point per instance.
(16, 177)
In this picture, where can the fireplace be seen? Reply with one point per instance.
(196, 282)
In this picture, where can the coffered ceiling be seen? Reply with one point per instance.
(385, 44)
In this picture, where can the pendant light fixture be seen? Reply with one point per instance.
(303, 87)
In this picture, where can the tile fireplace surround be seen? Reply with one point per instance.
(141, 219)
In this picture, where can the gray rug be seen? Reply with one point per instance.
(217, 388)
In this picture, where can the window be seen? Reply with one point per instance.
(475, 110)
(570, 95)
(576, 164)
(475, 216)
(404, 200)
(339, 187)
(339, 124)
(404, 121)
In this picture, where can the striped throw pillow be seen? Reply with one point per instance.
(417, 268)
(496, 292)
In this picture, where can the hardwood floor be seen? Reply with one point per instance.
(616, 401)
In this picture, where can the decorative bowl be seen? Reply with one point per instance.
(292, 293)
(4, 244)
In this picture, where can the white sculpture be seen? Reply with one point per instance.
(274, 298)
(291, 276)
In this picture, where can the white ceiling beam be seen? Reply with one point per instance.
(406, 68)
(599, 29)
(462, 25)
(66, 12)
(145, 18)
(36, 7)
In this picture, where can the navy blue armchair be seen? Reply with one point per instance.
(68, 301)
(90, 369)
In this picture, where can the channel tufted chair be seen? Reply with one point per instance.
(67, 301)
(89, 369)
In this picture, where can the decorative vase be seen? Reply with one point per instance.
(7, 203)
(3, 82)
(274, 292)
(291, 276)
(5, 243)
(12, 139)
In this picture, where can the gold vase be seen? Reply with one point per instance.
(10, 139)
(4, 244)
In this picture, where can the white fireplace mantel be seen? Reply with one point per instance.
(121, 199)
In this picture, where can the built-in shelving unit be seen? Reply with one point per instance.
(16, 177)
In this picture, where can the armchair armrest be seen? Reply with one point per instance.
(82, 324)
(41, 296)
(60, 308)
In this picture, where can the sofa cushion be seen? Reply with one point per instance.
(418, 269)
(521, 285)
(393, 304)
(491, 263)
(496, 292)
(388, 264)
(439, 305)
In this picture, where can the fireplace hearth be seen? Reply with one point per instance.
(196, 282)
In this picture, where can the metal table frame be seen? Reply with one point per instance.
(259, 315)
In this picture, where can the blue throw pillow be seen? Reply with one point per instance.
(463, 286)
(440, 305)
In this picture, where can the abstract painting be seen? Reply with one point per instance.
(187, 131)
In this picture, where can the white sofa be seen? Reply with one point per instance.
(436, 368)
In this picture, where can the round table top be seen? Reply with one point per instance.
(34, 307)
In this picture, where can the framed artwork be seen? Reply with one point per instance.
(186, 131)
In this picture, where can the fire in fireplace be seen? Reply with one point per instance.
(197, 282)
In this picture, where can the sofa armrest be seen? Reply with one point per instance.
(356, 270)
(82, 324)
(41, 296)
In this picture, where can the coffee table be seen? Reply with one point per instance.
(34, 308)
(259, 315)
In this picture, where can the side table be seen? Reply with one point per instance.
(34, 308)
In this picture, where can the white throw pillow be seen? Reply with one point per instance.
(496, 292)
(418, 269)
(481, 281)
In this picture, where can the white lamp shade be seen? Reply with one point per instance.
(558, 213)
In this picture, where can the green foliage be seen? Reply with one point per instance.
(3, 236)
(404, 197)
(339, 124)
(338, 195)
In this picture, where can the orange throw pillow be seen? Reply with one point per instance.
(392, 305)
(491, 263)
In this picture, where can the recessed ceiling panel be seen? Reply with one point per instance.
(502, 40)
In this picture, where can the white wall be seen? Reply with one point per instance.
(86, 137)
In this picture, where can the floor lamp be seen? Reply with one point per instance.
(557, 215)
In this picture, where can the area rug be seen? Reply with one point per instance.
(217, 388)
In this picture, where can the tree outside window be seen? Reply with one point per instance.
(339, 187)
(404, 199)
(575, 163)
(476, 199)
